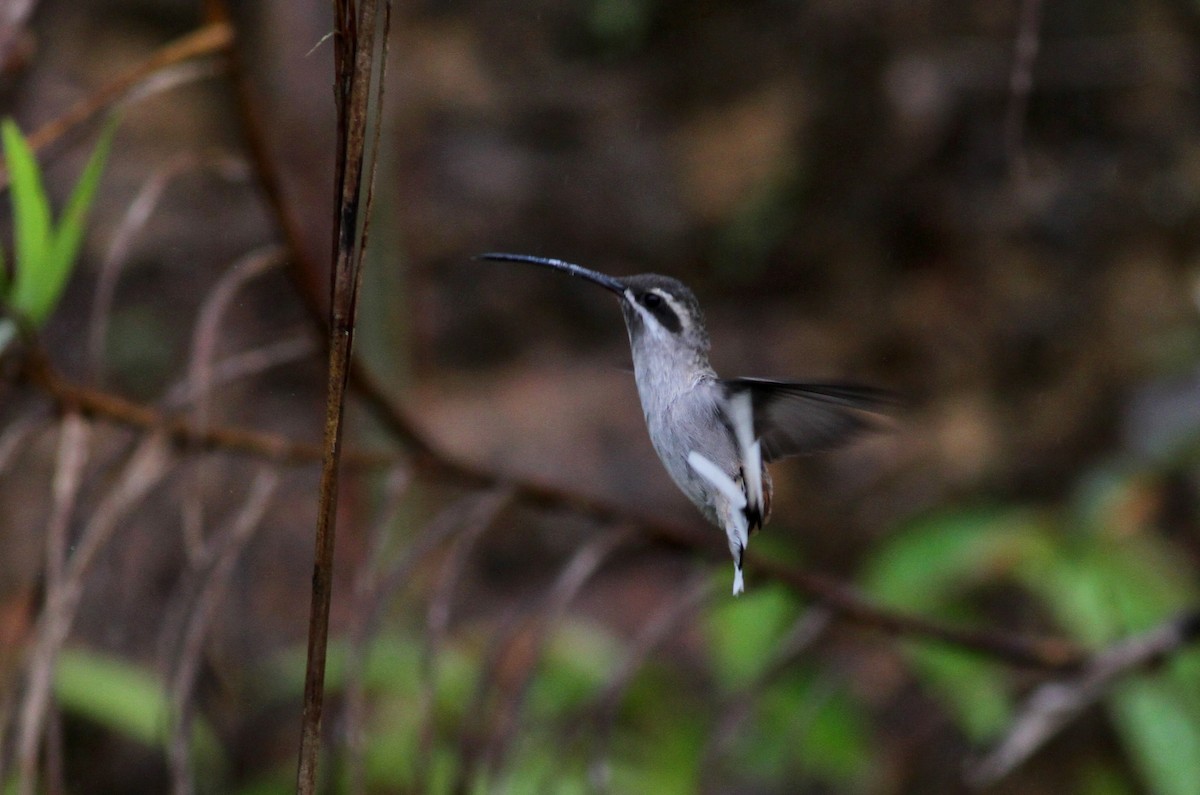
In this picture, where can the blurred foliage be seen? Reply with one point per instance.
(1093, 567)
(1099, 570)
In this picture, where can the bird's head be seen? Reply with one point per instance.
(660, 312)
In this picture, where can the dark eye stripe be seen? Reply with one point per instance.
(662, 311)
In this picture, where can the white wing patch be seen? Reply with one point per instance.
(750, 449)
(738, 530)
(713, 474)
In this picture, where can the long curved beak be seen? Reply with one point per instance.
(605, 281)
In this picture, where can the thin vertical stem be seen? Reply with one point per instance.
(354, 52)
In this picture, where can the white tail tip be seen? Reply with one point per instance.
(738, 584)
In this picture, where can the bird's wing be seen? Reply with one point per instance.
(796, 418)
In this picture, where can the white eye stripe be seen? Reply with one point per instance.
(676, 307)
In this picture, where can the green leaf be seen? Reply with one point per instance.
(31, 213)
(45, 256)
(64, 247)
(1108, 588)
(124, 698)
(1161, 735)
(974, 690)
(745, 632)
(578, 661)
(1102, 778)
(807, 726)
(927, 565)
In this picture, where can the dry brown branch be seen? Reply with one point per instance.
(843, 600)
(145, 469)
(74, 440)
(1055, 704)
(98, 404)
(228, 547)
(848, 604)
(303, 269)
(212, 316)
(207, 40)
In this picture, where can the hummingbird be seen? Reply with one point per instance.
(714, 435)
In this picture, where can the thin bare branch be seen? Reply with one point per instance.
(207, 40)
(303, 269)
(375, 591)
(204, 344)
(17, 436)
(665, 622)
(481, 517)
(212, 316)
(13, 16)
(1021, 84)
(354, 61)
(132, 223)
(73, 443)
(738, 708)
(96, 403)
(244, 365)
(531, 640)
(148, 465)
(230, 544)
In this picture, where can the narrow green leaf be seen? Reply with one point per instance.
(124, 698)
(66, 239)
(31, 213)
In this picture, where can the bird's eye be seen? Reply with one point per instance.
(651, 300)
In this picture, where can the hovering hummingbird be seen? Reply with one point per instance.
(716, 435)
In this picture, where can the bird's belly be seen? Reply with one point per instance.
(674, 458)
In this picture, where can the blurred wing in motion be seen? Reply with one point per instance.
(796, 419)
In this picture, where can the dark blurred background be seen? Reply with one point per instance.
(855, 190)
